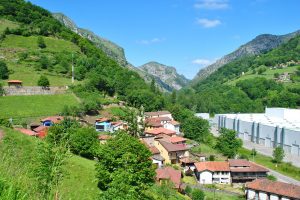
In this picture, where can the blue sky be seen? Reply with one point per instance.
(186, 34)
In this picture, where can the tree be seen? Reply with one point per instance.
(173, 97)
(152, 85)
(276, 75)
(198, 194)
(132, 116)
(253, 153)
(44, 62)
(1, 90)
(41, 43)
(4, 73)
(43, 81)
(83, 141)
(124, 166)
(196, 129)
(228, 143)
(278, 154)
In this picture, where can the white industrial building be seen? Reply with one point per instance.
(275, 127)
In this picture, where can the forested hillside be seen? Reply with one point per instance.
(34, 43)
(244, 86)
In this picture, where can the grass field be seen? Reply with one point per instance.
(269, 74)
(16, 156)
(80, 181)
(217, 196)
(30, 43)
(34, 106)
(4, 23)
(25, 70)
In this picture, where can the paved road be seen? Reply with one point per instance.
(284, 178)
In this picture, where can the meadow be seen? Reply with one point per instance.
(34, 106)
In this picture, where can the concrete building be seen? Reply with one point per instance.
(202, 115)
(263, 189)
(275, 127)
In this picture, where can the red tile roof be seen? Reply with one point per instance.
(154, 150)
(176, 139)
(275, 187)
(41, 128)
(170, 174)
(212, 166)
(240, 165)
(153, 123)
(173, 147)
(174, 123)
(157, 113)
(103, 119)
(157, 131)
(26, 131)
(14, 81)
(54, 119)
(104, 137)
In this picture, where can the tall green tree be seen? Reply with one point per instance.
(196, 129)
(124, 166)
(4, 73)
(228, 143)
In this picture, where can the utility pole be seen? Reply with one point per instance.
(72, 69)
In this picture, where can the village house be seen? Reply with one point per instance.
(213, 172)
(50, 121)
(161, 119)
(169, 174)
(158, 114)
(171, 152)
(244, 171)
(187, 164)
(107, 125)
(157, 159)
(264, 189)
(158, 131)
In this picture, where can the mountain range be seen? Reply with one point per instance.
(166, 78)
(261, 44)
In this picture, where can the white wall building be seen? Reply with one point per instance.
(263, 189)
(203, 115)
(213, 172)
(275, 127)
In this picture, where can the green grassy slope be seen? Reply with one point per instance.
(13, 47)
(34, 106)
(269, 74)
(4, 23)
(16, 153)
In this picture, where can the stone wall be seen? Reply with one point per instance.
(32, 90)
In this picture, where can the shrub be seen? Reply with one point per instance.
(4, 73)
(198, 194)
(211, 158)
(41, 42)
(43, 82)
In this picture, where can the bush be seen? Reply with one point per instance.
(198, 194)
(43, 82)
(276, 75)
(84, 141)
(2, 92)
(188, 190)
(278, 155)
(41, 42)
(212, 158)
(4, 73)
